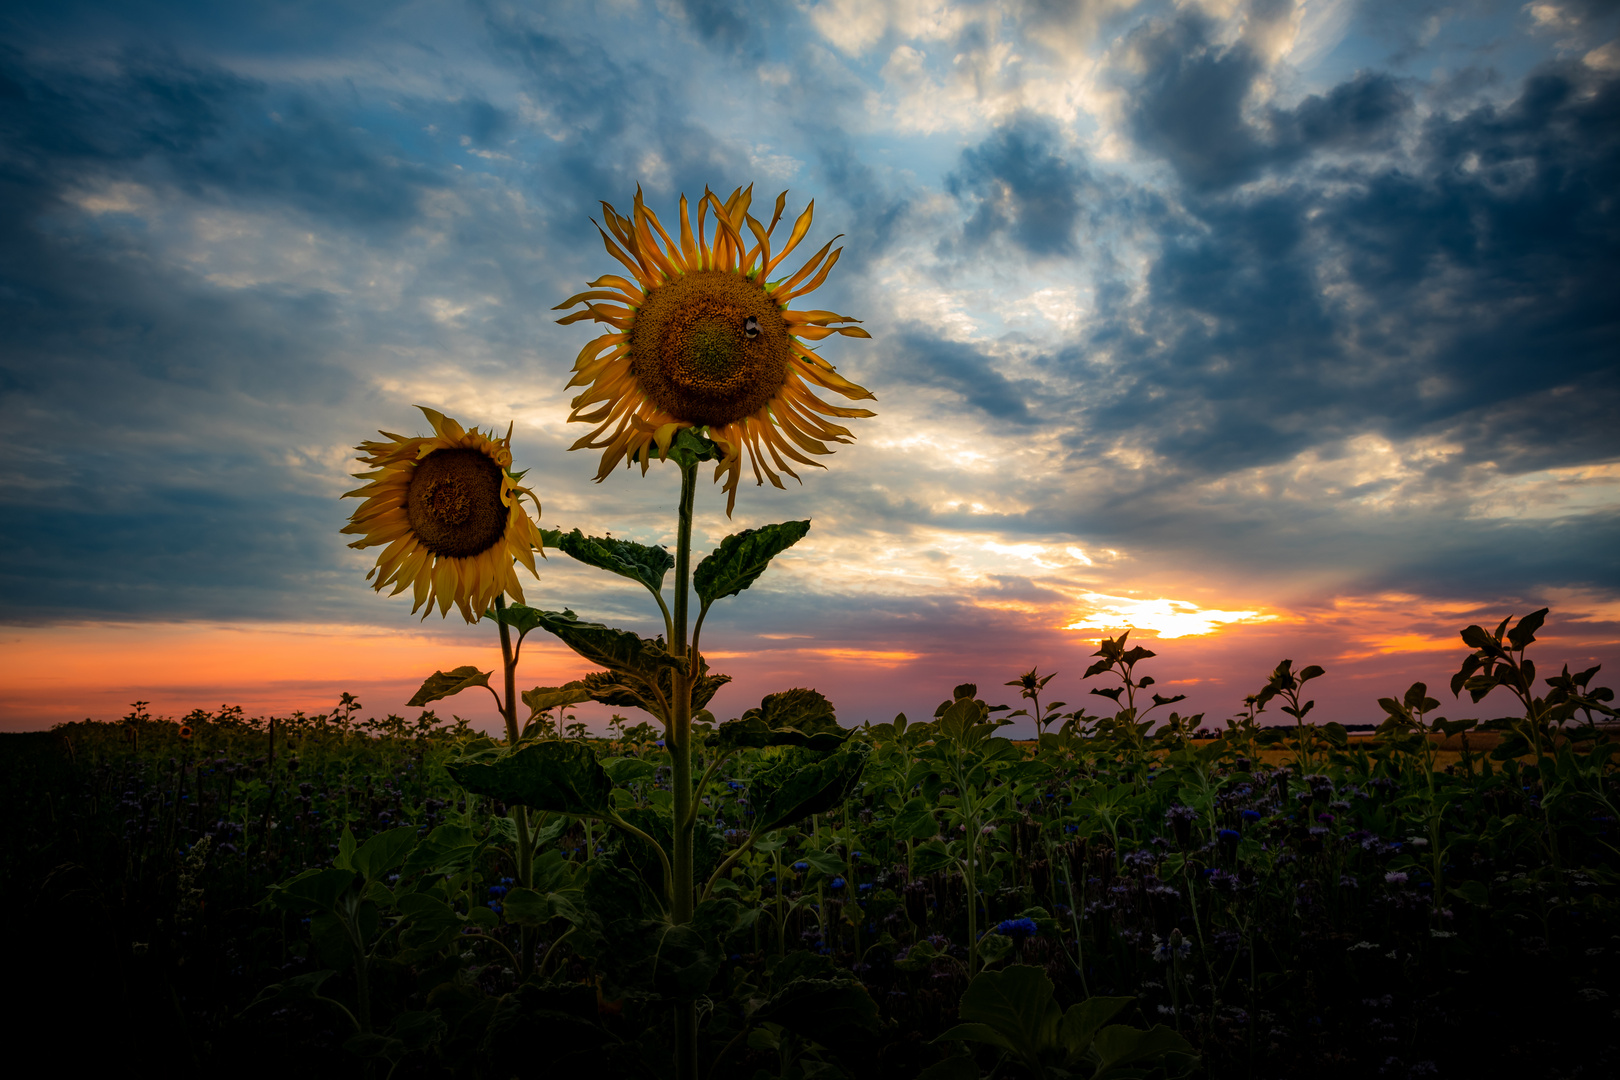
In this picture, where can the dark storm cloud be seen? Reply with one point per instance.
(615, 116)
(161, 118)
(136, 479)
(1462, 292)
(877, 209)
(917, 357)
(1188, 108)
(1468, 289)
(219, 557)
(1021, 187)
(54, 120)
(731, 26)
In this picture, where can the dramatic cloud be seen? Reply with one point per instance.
(1222, 321)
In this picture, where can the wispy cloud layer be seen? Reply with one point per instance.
(1193, 317)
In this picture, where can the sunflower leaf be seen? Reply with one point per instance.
(805, 783)
(617, 650)
(443, 684)
(624, 691)
(563, 777)
(543, 698)
(806, 710)
(796, 717)
(518, 617)
(638, 562)
(742, 557)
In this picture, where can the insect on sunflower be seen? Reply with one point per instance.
(702, 338)
(447, 508)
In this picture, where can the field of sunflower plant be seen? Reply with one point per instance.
(776, 894)
(903, 899)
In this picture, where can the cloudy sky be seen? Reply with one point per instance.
(1267, 329)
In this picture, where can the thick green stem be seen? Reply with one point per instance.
(362, 981)
(781, 919)
(679, 742)
(520, 815)
(969, 880)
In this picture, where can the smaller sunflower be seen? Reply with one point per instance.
(447, 508)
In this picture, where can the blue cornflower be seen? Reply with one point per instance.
(865, 886)
(1250, 815)
(838, 883)
(1017, 929)
(1177, 946)
(801, 867)
(1228, 835)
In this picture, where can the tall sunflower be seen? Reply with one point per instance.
(446, 506)
(702, 338)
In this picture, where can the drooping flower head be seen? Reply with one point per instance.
(447, 508)
(703, 338)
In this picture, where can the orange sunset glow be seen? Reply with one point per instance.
(1371, 647)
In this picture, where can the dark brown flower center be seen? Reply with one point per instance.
(709, 347)
(454, 502)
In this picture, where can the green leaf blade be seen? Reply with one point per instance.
(805, 784)
(742, 557)
(563, 777)
(443, 684)
(641, 563)
(545, 698)
(1018, 1002)
(982, 1033)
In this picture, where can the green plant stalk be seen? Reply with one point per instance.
(362, 981)
(969, 876)
(1524, 690)
(1203, 951)
(1074, 914)
(679, 742)
(519, 814)
(1431, 753)
(781, 919)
